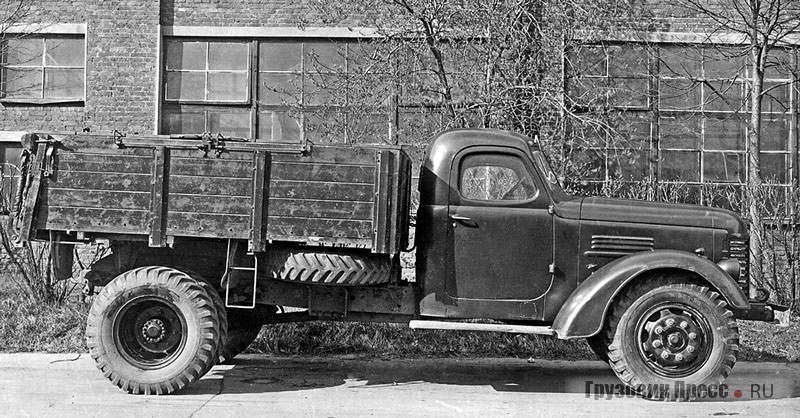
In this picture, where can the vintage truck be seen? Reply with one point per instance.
(209, 236)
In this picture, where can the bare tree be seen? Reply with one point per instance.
(760, 27)
(462, 63)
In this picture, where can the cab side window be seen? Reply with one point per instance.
(495, 177)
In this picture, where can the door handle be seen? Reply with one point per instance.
(460, 218)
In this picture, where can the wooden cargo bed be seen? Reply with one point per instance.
(160, 188)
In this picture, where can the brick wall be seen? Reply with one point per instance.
(250, 13)
(122, 65)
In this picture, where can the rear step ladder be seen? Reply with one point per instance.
(231, 268)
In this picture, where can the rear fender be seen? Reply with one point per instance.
(582, 314)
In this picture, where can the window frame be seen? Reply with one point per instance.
(4, 96)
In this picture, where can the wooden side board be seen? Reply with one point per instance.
(331, 195)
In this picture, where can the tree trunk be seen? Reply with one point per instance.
(754, 183)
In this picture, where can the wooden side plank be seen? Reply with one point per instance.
(306, 227)
(98, 199)
(207, 225)
(205, 186)
(323, 172)
(286, 189)
(101, 181)
(103, 163)
(211, 167)
(298, 208)
(232, 205)
(94, 220)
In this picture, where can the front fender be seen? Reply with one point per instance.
(582, 314)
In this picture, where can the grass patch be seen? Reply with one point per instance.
(34, 326)
(394, 340)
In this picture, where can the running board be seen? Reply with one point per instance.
(466, 326)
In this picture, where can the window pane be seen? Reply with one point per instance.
(628, 164)
(366, 56)
(590, 61)
(175, 122)
(679, 94)
(588, 163)
(280, 56)
(723, 166)
(725, 96)
(773, 167)
(23, 83)
(680, 61)
(495, 177)
(628, 92)
(63, 83)
(231, 124)
(628, 61)
(186, 86)
(64, 52)
(324, 57)
(775, 134)
(24, 51)
(723, 63)
(776, 99)
(286, 128)
(368, 128)
(279, 89)
(725, 134)
(325, 126)
(186, 55)
(228, 56)
(680, 165)
(325, 89)
(680, 132)
(227, 86)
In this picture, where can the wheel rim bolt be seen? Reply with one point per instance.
(684, 324)
(665, 355)
(657, 343)
(670, 322)
(679, 357)
(659, 330)
(692, 336)
(690, 349)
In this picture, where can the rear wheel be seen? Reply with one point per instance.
(153, 330)
(669, 339)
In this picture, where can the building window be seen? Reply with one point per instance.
(279, 90)
(44, 69)
(684, 119)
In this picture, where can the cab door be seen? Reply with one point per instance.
(501, 227)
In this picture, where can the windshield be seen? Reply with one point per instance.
(549, 175)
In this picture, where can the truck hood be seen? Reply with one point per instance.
(637, 211)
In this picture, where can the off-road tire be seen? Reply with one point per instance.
(222, 315)
(632, 327)
(153, 330)
(325, 267)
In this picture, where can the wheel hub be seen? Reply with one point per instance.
(673, 340)
(153, 330)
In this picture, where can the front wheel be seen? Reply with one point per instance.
(670, 339)
(153, 330)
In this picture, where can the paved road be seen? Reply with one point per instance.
(70, 386)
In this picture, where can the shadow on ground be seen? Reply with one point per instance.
(592, 379)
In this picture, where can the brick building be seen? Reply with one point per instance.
(252, 69)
